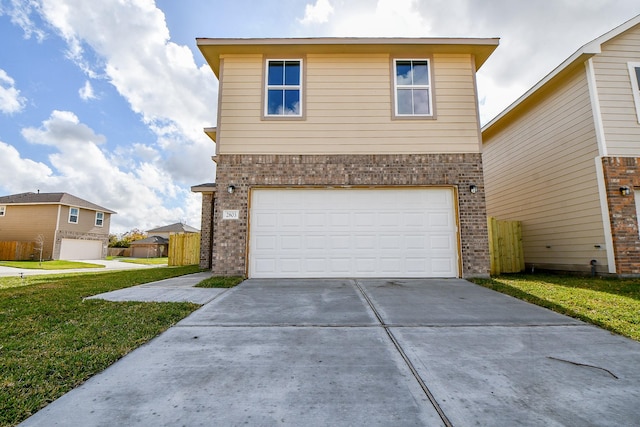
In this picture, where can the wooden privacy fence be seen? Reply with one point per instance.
(505, 246)
(184, 249)
(17, 251)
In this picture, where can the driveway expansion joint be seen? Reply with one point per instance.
(404, 356)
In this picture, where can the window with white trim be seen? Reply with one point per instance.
(99, 219)
(3, 209)
(283, 94)
(634, 75)
(412, 88)
(74, 215)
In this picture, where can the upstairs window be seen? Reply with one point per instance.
(3, 209)
(412, 87)
(634, 75)
(284, 88)
(99, 219)
(74, 214)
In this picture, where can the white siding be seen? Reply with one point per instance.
(619, 115)
(540, 169)
(348, 109)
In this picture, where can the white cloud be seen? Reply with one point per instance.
(10, 99)
(86, 91)
(536, 36)
(26, 174)
(317, 13)
(139, 192)
(20, 11)
(158, 78)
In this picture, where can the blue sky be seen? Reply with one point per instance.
(107, 99)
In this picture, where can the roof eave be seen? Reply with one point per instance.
(213, 48)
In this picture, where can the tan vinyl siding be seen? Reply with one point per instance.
(86, 222)
(541, 170)
(23, 223)
(348, 109)
(619, 115)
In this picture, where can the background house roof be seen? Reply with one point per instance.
(51, 198)
(178, 227)
(585, 52)
(153, 240)
(212, 48)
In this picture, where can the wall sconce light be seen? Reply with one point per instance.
(231, 189)
(625, 191)
(473, 188)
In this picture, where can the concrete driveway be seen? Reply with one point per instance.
(365, 353)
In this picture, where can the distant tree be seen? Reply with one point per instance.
(126, 238)
(40, 247)
(133, 235)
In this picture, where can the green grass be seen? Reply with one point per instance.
(611, 303)
(49, 265)
(146, 261)
(51, 340)
(220, 282)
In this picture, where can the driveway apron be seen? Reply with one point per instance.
(365, 352)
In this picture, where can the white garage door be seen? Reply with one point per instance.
(80, 249)
(353, 233)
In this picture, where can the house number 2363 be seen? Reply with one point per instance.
(231, 214)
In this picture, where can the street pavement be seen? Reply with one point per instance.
(109, 265)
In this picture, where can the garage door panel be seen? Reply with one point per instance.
(75, 249)
(352, 233)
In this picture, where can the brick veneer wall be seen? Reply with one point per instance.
(618, 172)
(246, 171)
(206, 230)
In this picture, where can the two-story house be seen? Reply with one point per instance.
(346, 157)
(564, 159)
(63, 226)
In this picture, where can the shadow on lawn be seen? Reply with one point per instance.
(542, 302)
(629, 288)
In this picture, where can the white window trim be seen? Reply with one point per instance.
(77, 216)
(634, 85)
(299, 87)
(101, 219)
(3, 210)
(428, 86)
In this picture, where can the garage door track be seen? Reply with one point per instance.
(368, 352)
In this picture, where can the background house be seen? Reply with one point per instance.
(346, 157)
(150, 247)
(66, 226)
(564, 159)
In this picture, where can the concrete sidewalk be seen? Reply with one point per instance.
(365, 352)
(175, 289)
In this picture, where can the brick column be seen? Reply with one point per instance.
(623, 172)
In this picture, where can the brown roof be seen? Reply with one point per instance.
(153, 240)
(51, 198)
(178, 227)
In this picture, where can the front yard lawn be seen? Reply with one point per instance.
(146, 261)
(49, 265)
(220, 282)
(51, 340)
(611, 303)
